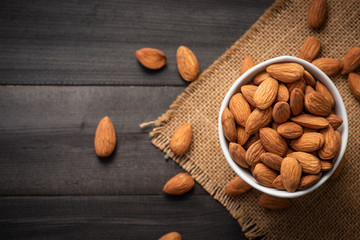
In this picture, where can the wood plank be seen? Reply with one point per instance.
(92, 42)
(115, 217)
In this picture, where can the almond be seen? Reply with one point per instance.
(309, 79)
(331, 144)
(181, 139)
(248, 92)
(286, 72)
(283, 93)
(271, 160)
(171, 236)
(351, 60)
(266, 93)
(308, 142)
(277, 183)
(228, 125)
(179, 184)
(309, 89)
(310, 164)
(329, 66)
(290, 173)
(151, 58)
(354, 84)
(272, 141)
(251, 141)
(338, 140)
(187, 64)
(237, 153)
(290, 130)
(297, 101)
(334, 120)
(273, 203)
(317, 13)
(309, 181)
(275, 125)
(240, 108)
(307, 130)
(242, 137)
(252, 155)
(325, 92)
(246, 64)
(326, 166)
(260, 77)
(310, 49)
(263, 175)
(281, 112)
(236, 187)
(310, 121)
(301, 84)
(317, 104)
(105, 138)
(338, 169)
(258, 119)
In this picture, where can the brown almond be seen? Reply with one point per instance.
(236, 187)
(283, 93)
(329, 66)
(317, 13)
(281, 112)
(252, 155)
(290, 130)
(171, 236)
(246, 64)
(228, 125)
(310, 49)
(310, 164)
(290, 172)
(351, 60)
(297, 101)
(272, 141)
(307, 130)
(338, 141)
(286, 72)
(338, 169)
(274, 125)
(330, 147)
(248, 92)
(263, 175)
(273, 203)
(326, 166)
(277, 183)
(258, 119)
(308, 142)
(308, 181)
(240, 108)
(266, 93)
(271, 160)
(105, 138)
(151, 58)
(179, 184)
(181, 139)
(260, 77)
(317, 104)
(325, 92)
(309, 79)
(187, 64)
(237, 153)
(309, 89)
(242, 136)
(251, 141)
(354, 84)
(334, 120)
(301, 84)
(310, 121)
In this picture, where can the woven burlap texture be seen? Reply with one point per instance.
(330, 212)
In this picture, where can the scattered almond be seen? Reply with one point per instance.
(228, 125)
(286, 72)
(310, 49)
(351, 60)
(105, 138)
(236, 187)
(187, 64)
(329, 66)
(308, 181)
(266, 93)
(181, 139)
(317, 13)
(308, 142)
(354, 84)
(151, 58)
(171, 236)
(252, 155)
(179, 184)
(246, 64)
(237, 153)
(264, 175)
(290, 173)
(273, 203)
(240, 108)
(290, 130)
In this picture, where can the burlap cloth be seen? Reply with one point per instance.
(330, 212)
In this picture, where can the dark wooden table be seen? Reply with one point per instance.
(66, 64)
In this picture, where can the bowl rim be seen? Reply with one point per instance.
(339, 110)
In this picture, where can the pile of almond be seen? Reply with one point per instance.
(282, 127)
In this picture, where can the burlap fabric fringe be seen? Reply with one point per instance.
(332, 211)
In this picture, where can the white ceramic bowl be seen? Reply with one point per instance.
(339, 110)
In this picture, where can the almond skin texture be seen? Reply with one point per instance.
(258, 119)
(310, 121)
(171, 236)
(278, 183)
(326, 166)
(338, 169)
(228, 125)
(310, 164)
(329, 66)
(251, 141)
(301, 84)
(252, 155)
(290, 130)
(319, 87)
(317, 104)
(187, 64)
(260, 77)
(240, 108)
(308, 142)
(248, 92)
(283, 93)
(309, 181)
(271, 160)
(286, 72)
(272, 141)
(263, 175)
(181, 139)
(105, 138)
(246, 64)
(266, 93)
(281, 112)
(310, 49)
(354, 84)
(351, 60)
(334, 120)
(338, 141)
(179, 184)
(151, 58)
(317, 13)
(309, 79)
(237, 186)
(331, 144)
(273, 203)
(242, 137)
(237, 153)
(297, 101)
(309, 89)
(290, 173)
